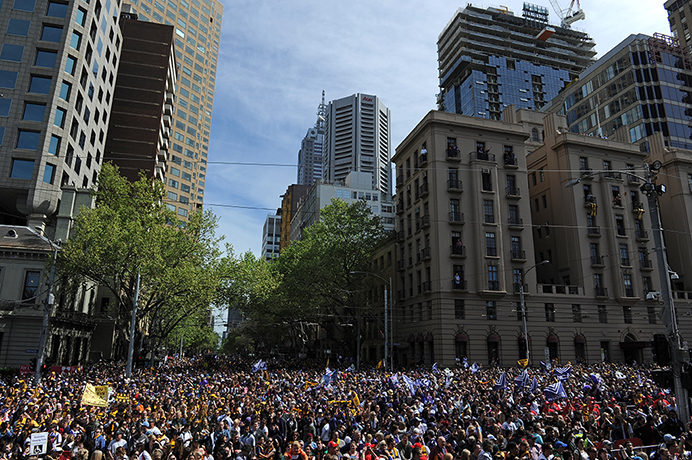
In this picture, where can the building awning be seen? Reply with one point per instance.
(634, 345)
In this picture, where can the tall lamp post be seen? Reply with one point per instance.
(386, 322)
(47, 308)
(523, 306)
(669, 317)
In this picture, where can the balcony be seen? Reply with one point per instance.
(642, 235)
(425, 220)
(458, 250)
(594, 231)
(483, 155)
(625, 262)
(454, 185)
(401, 265)
(422, 159)
(510, 160)
(400, 181)
(427, 286)
(637, 207)
(518, 255)
(493, 285)
(516, 223)
(629, 292)
(646, 264)
(589, 201)
(456, 217)
(423, 189)
(426, 254)
(453, 154)
(612, 175)
(632, 180)
(513, 192)
(460, 285)
(598, 261)
(600, 291)
(167, 121)
(585, 172)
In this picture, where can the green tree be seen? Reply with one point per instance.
(129, 232)
(318, 283)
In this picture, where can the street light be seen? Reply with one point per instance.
(669, 317)
(386, 323)
(47, 309)
(523, 305)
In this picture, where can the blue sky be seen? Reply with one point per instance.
(276, 57)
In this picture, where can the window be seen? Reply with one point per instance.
(12, 53)
(57, 10)
(488, 212)
(602, 314)
(550, 313)
(22, 169)
(39, 85)
(48, 33)
(60, 116)
(70, 65)
(182, 212)
(651, 313)
(31, 280)
(487, 183)
(65, 90)
(490, 244)
(46, 59)
(459, 309)
(76, 40)
(8, 79)
(24, 5)
(34, 112)
(491, 310)
(576, 313)
(5, 105)
(620, 225)
(629, 290)
(54, 146)
(173, 183)
(624, 255)
(28, 140)
(80, 17)
(493, 281)
(627, 314)
(49, 174)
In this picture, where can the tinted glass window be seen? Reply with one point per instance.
(40, 85)
(54, 147)
(5, 105)
(11, 52)
(8, 79)
(34, 112)
(19, 27)
(28, 140)
(49, 174)
(51, 34)
(24, 5)
(46, 58)
(22, 169)
(57, 10)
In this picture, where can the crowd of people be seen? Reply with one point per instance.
(229, 409)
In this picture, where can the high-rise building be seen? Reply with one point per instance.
(271, 235)
(489, 59)
(289, 204)
(197, 34)
(358, 138)
(58, 66)
(678, 13)
(311, 149)
(641, 86)
(138, 136)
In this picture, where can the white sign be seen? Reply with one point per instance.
(39, 443)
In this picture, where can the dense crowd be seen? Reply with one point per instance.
(222, 408)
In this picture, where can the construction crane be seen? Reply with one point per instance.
(568, 15)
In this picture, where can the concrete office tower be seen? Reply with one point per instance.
(490, 58)
(358, 138)
(289, 204)
(311, 149)
(642, 86)
(679, 12)
(271, 235)
(58, 66)
(139, 131)
(197, 33)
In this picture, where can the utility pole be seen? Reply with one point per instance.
(133, 322)
(47, 309)
(523, 307)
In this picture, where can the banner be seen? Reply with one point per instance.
(95, 396)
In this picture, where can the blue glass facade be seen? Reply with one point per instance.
(485, 94)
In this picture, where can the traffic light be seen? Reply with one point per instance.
(661, 350)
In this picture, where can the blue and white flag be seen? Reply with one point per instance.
(409, 383)
(522, 380)
(619, 375)
(500, 383)
(434, 369)
(555, 391)
(259, 366)
(474, 368)
(394, 381)
(466, 363)
(563, 373)
(534, 385)
(329, 377)
(448, 380)
(546, 366)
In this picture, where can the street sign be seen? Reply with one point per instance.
(31, 351)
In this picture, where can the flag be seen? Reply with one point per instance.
(434, 369)
(380, 365)
(394, 382)
(620, 375)
(545, 366)
(522, 380)
(95, 396)
(259, 366)
(466, 363)
(555, 391)
(523, 362)
(563, 373)
(534, 385)
(500, 383)
(474, 368)
(448, 380)
(409, 383)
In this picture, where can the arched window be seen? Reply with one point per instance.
(552, 343)
(493, 342)
(461, 341)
